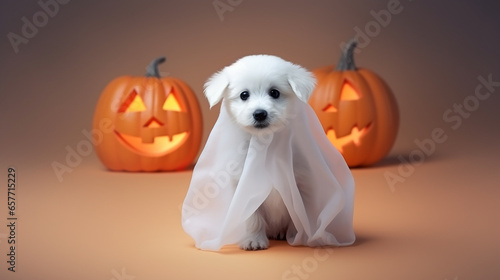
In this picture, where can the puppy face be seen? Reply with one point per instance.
(259, 89)
(259, 102)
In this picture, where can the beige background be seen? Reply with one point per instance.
(442, 222)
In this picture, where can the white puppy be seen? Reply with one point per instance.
(268, 171)
(258, 90)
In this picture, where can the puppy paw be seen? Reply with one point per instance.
(256, 242)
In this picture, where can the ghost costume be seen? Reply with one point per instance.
(237, 170)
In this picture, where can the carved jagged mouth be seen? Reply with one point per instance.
(161, 145)
(353, 137)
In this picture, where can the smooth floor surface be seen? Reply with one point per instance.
(439, 220)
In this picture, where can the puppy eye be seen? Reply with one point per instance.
(244, 95)
(274, 93)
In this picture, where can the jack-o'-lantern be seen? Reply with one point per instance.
(357, 109)
(156, 123)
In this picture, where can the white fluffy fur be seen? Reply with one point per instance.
(258, 74)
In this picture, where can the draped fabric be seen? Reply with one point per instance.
(237, 170)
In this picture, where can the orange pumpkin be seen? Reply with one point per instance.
(357, 109)
(156, 123)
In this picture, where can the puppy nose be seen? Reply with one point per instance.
(260, 115)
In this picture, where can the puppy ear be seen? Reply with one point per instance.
(215, 87)
(302, 82)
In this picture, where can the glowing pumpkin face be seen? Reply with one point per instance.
(157, 123)
(153, 138)
(357, 110)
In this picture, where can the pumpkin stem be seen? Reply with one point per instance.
(346, 61)
(152, 70)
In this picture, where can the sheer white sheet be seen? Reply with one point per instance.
(237, 170)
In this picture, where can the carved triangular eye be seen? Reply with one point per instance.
(348, 92)
(171, 104)
(133, 103)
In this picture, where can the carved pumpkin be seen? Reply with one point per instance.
(357, 109)
(156, 123)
